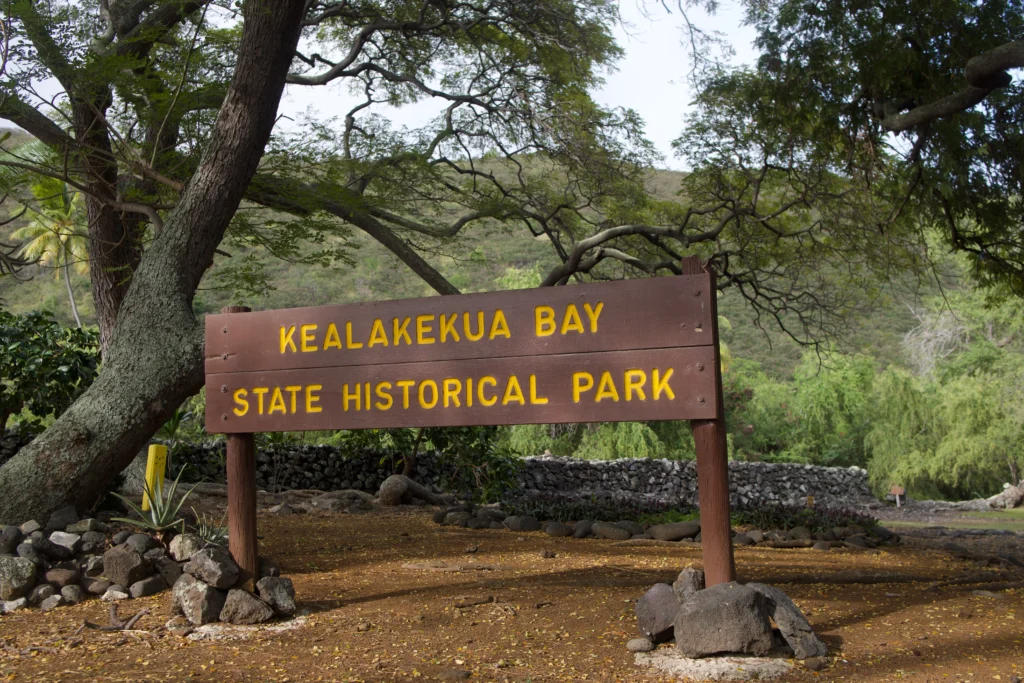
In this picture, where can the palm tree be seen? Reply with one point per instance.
(56, 236)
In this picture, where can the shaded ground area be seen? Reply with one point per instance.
(374, 619)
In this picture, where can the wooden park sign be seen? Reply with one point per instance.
(599, 352)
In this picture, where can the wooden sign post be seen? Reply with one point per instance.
(597, 352)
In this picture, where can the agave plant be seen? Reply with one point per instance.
(212, 534)
(162, 515)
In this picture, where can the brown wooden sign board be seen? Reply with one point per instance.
(601, 352)
(655, 313)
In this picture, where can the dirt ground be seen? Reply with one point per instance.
(561, 619)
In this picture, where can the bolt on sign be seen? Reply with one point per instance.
(598, 352)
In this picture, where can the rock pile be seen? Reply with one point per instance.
(751, 484)
(730, 618)
(69, 559)
(491, 517)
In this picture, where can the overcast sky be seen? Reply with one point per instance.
(651, 78)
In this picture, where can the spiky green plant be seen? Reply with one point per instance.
(162, 515)
(212, 534)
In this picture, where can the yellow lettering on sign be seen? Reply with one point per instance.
(635, 381)
(423, 328)
(312, 398)
(606, 388)
(421, 394)
(347, 396)
(534, 398)
(377, 334)
(484, 401)
(306, 336)
(276, 402)
(581, 381)
(288, 339)
(513, 392)
(451, 388)
(349, 344)
(593, 314)
(571, 322)
(659, 384)
(401, 330)
(448, 327)
(480, 325)
(405, 384)
(469, 392)
(544, 320)
(242, 406)
(331, 339)
(367, 389)
(293, 390)
(260, 391)
(499, 326)
(383, 390)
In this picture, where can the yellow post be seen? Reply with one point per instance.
(155, 466)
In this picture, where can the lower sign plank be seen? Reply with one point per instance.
(613, 386)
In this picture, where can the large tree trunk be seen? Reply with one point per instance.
(154, 356)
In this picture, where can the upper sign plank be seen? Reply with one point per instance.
(664, 312)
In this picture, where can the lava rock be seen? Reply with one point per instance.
(17, 576)
(610, 531)
(51, 550)
(62, 518)
(10, 537)
(632, 527)
(214, 566)
(72, 594)
(198, 601)
(97, 538)
(689, 581)
(478, 523)
(168, 569)
(675, 531)
(755, 535)
(154, 554)
(93, 566)
(120, 537)
(522, 523)
(242, 607)
(791, 622)
(84, 525)
(30, 526)
(40, 593)
(70, 541)
(582, 528)
(184, 546)
(742, 539)
(151, 585)
(279, 593)
(640, 645)
(821, 545)
(656, 612)
(52, 602)
(8, 606)
(141, 543)
(800, 533)
(557, 529)
(95, 586)
(124, 565)
(62, 577)
(725, 618)
(115, 594)
(460, 518)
